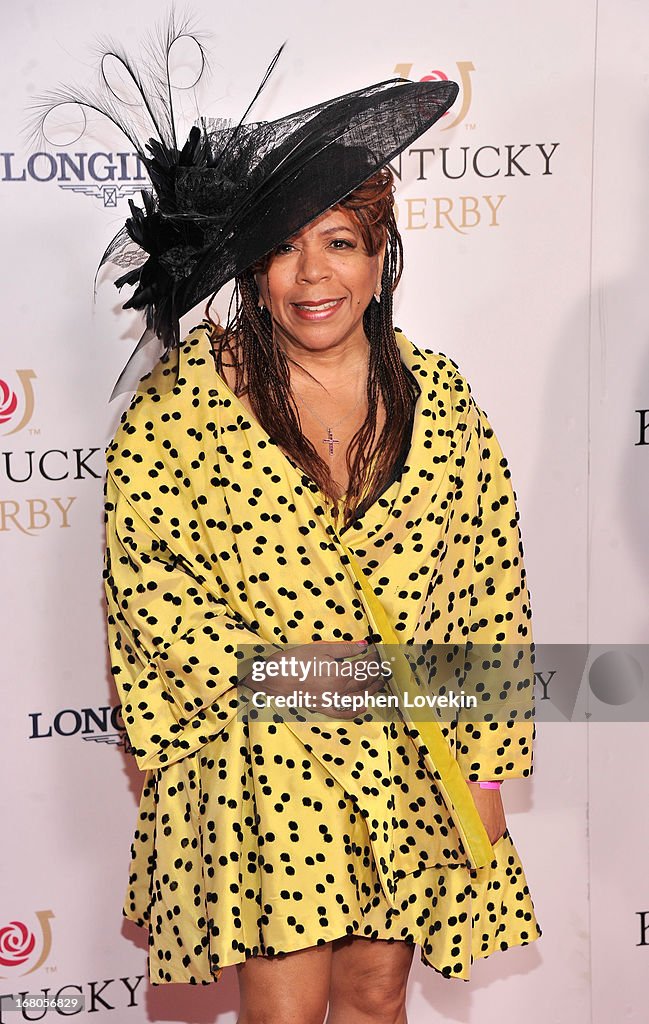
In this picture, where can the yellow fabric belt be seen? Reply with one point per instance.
(454, 787)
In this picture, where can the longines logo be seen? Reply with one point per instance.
(95, 725)
(106, 176)
(462, 213)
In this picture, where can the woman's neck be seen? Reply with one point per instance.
(332, 369)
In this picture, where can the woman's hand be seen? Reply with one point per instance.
(489, 806)
(315, 679)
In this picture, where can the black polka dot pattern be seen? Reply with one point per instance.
(263, 838)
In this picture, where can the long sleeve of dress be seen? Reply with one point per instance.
(500, 615)
(172, 643)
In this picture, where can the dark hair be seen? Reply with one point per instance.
(263, 365)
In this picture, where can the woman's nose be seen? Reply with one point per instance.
(313, 266)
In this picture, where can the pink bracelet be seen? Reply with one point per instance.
(490, 785)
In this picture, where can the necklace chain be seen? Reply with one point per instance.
(330, 439)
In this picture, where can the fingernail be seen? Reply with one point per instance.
(362, 643)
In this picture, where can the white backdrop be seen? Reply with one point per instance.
(530, 271)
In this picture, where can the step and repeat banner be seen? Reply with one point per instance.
(523, 214)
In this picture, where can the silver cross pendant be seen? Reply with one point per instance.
(330, 440)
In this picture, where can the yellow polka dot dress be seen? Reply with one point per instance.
(262, 837)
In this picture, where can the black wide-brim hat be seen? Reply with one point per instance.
(301, 165)
(232, 194)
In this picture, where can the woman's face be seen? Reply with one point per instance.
(320, 282)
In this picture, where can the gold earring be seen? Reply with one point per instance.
(377, 296)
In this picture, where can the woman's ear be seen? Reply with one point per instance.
(261, 280)
(379, 269)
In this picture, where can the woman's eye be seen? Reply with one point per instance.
(284, 247)
(342, 243)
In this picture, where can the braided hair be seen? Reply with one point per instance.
(262, 369)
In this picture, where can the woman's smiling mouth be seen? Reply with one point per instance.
(317, 310)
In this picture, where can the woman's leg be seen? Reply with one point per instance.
(369, 978)
(292, 988)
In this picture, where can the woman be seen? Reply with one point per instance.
(253, 850)
(306, 479)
